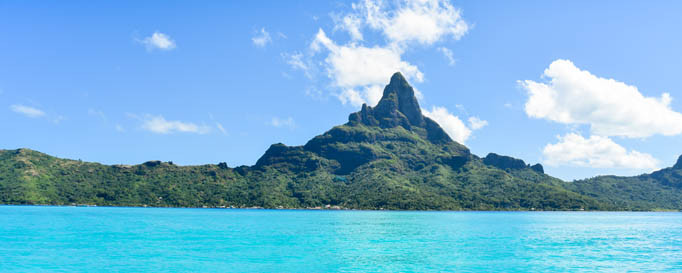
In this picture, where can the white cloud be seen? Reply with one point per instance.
(119, 128)
(296, 61)
(352, 67)
(422, 21)
(359, 69)
(283, 123)
(370, 94)
(476, 123)
(28, 111)
(158, 124)
(158, 40)
(452, 125)
(352, 96)
(595, 152)
(351, 23)
(262, 38)
(610, 107)
(221, 128)
(448, 55)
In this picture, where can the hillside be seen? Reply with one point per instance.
(389, 156)
(661, 189)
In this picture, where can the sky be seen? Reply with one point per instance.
(584, 87)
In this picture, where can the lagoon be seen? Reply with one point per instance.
(108, 239)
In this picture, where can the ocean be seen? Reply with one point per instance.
(106, 239)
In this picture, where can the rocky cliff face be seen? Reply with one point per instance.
(394, 129)
(509, 163)
(399, 107)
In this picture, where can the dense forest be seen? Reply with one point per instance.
(386, 157)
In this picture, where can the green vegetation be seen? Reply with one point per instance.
(388, 156)
(660, 190)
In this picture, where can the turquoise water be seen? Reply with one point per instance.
(97, 239)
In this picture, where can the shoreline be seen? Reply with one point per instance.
(329, 209)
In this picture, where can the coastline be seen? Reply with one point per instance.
(327, 209)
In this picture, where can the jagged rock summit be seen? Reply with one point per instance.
(399, 107)
(394, 129)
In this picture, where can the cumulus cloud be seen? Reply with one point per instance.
(283, 123)
(452, 125)
(610, 107)
(354, 97)
(28, 111)
(361, 71)
(159, 41)
(158, 124)
(595, 152)
(422, 21)
(476, 123)
(352, 65)
(358, 68)
(262, 38)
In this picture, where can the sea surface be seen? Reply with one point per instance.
(103, 239)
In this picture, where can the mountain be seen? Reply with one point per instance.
(385, 157)
(661, 189)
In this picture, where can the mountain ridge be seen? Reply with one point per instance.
(385, 157)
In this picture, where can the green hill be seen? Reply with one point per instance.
(659, 190)
(389, 156)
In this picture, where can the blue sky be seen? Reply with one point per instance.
(584, 87)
